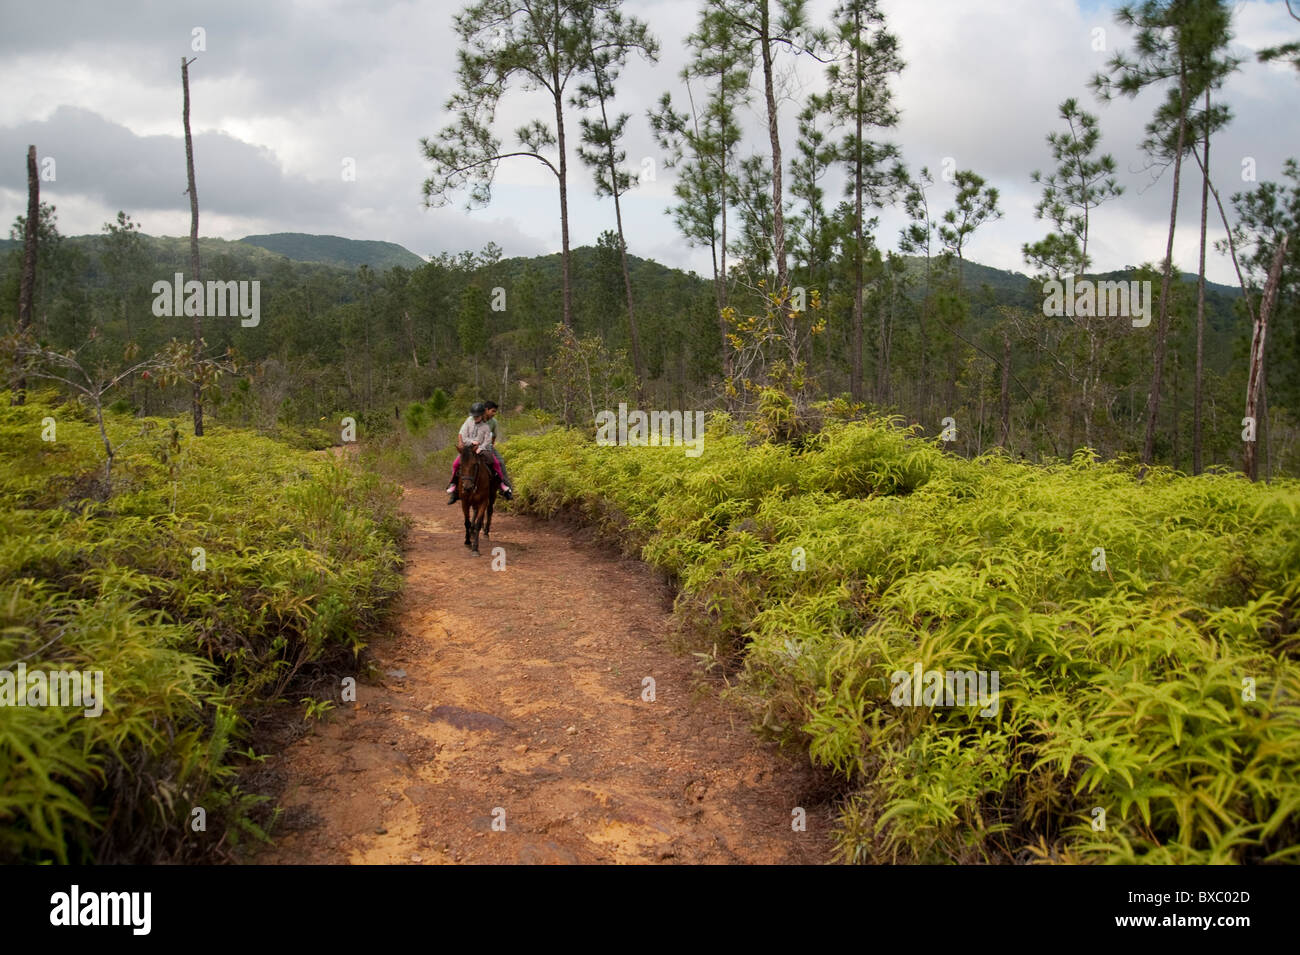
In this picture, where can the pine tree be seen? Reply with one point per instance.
(767, 27)
(601, 137)
(1081, 182)
(859, 97)
(701, 146)
(1169, 35)
(546, 44)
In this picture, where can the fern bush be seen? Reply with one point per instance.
(299, 559)
(1144, 630)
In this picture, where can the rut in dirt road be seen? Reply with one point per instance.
(511, 724)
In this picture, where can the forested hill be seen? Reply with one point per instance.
(368, 341)
(335, 250)
(256, 251)
(1008, 287)
(676, 310)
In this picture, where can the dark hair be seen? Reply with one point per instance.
(487, 405)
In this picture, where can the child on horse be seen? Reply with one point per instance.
(477, 435)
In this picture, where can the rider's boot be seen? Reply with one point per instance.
(452, 496)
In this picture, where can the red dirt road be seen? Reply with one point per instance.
(510, 724)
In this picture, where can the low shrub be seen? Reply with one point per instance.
(201, 584)
(1143, 629)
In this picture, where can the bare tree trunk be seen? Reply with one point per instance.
(1005, 396)
(27, 284)
(778, 213)
(1178, 414)
(1250, 464)
(1072, 415)
(855, 366)
(950, 390)
(1232, 245)
(197, 399)
(719, 302)
(370, 370)
(886, 341)
(565, 271)
(921, 317)
(410, 336)
(566, 277)
(1162, 331)
(1091, 375)
(722, 208)
(637, 365)
(1200, 299)
(1264, 423)
(1092, 382)
(720, 268)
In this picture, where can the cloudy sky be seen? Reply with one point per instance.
(285, 93)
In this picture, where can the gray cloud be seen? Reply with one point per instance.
(283, 92)
(101, 160)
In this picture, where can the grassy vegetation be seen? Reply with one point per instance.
(299, 558)
(1125, 686)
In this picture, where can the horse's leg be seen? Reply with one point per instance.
(492, 499)
(464, 506)
(478, 523)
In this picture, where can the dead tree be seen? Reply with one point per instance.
(194, 241)
(1250, 462)
(27, 285)
(1004, 394)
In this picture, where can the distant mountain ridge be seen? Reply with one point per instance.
(261, 251)
(336, 250)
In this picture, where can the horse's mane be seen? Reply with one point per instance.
(470, 463)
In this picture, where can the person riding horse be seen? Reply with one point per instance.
(477, 434)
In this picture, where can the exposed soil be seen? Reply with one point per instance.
(510, 724)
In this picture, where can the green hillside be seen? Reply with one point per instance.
(263, 250)
(167, 251)
(335, 250)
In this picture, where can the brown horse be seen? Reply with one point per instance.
(478, 491)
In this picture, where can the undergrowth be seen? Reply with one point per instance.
(1143, 629)
(201, 584)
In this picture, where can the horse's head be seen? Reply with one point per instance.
(473, 468)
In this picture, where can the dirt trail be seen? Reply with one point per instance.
(515, 697)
